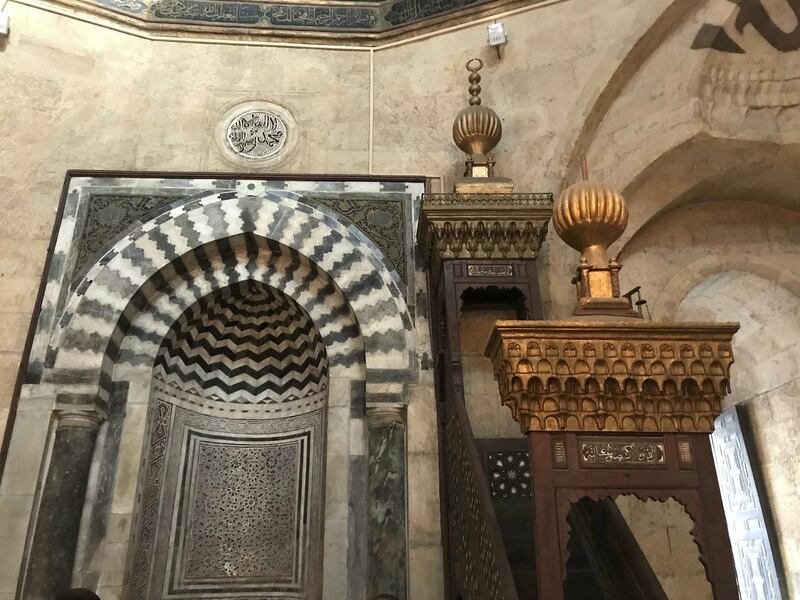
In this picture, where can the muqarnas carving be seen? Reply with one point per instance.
(581, 376)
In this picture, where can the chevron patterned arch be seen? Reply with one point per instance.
(216, 240)
(242, 259)
(245, 344)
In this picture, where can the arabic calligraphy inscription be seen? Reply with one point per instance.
(257, 134)
(627, 453)
(490, 271)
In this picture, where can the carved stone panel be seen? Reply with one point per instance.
(236, 494)
(755, 564)
(230, 508)
(257, 134)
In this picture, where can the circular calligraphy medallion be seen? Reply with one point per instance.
(257, 134)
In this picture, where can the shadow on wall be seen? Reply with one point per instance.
(79, 594)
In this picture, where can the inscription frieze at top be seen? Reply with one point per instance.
(351, 21)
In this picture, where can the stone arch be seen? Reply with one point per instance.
(112, 328)
(702, 168)
(681, 247)
(239, 259)
(613, 77)
(199, 231)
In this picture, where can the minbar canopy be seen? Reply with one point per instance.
(612, 376)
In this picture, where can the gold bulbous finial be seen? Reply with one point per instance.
(476, 129)
(590, 217)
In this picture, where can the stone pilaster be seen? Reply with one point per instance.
(387, 502)
(55, 537)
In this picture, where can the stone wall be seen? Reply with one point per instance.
(615, 80)
(738, 261)
(767, 367)
(81, 95)
(664, 533)
(487, 415)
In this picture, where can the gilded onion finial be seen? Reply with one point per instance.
(476, 129)
(590, 217)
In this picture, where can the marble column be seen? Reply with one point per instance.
(55, 536)
(387, 574)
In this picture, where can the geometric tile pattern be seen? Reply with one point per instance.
(244, 344)
(218, 239)
(509, 474)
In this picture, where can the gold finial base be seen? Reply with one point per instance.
(606, 309)
(598, 292)
(484, 185)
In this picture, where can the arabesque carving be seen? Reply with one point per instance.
(612, 376)
(498, 226)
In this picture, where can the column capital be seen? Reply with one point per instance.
(83, 419)
(386, 412)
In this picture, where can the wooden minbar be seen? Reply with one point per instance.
(613, 404)
(614, 408)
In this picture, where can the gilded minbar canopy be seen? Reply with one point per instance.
(475, 226)
(482, 218)
(629, 376)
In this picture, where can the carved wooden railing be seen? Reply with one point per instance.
(479, 565)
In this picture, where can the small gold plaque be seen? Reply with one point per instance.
(490, 271)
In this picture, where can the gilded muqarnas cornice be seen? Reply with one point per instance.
(496, 226)
(612, 376)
